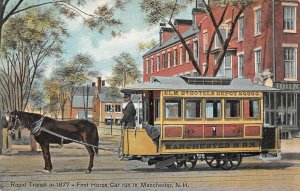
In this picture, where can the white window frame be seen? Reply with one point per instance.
(196, 49)
(257, 21)
(157, 62)
(294, 68)
(147, 67)
(217, 38)
(205, 41)
(293, 6)
(223, 66)
(256, 59)
(180, 55)
(169, 59)
(187, 56)
(151, 66)
(241, 28)
(239, 55)
(175, 57)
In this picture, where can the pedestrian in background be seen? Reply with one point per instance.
(7, 139)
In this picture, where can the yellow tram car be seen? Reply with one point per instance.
(218, 120)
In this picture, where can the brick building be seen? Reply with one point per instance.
(264, 45)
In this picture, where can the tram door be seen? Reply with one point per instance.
(148, 108)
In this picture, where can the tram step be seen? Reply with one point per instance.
(270, 156)
(166, 162)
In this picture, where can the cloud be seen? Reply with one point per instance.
(105, 49)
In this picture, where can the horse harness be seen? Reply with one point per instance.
(38, 128)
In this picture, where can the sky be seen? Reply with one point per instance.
(102, 47)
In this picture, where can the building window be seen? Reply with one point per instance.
(163, 61)
(147, 67)
(117, 108)
(195, 49)
(205, 42)
(175, 57)
(151, 65)
(241, 29)
(241, 65)
(187, 57)
(290, 63)
(289, 18)
(192, 109)
(157, 63)
(226, 67)
(257, 26)
(204, 65)
(173, 108)
(224, 36)
(232, 108)
(107, 108)
(180, 55)
(213, 109)
(169, 60)
(258, 64)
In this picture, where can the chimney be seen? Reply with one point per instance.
(182, 25)
(165, 34)
(99, 84)
(198, 15)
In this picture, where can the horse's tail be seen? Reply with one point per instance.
(96, 142)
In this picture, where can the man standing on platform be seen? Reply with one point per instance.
(129, 113)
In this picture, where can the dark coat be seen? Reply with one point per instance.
(4, 122)
(129, 115)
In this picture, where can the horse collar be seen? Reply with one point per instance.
(38, 126)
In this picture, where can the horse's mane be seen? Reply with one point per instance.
(34, 116)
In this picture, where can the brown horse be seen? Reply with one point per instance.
(80, 130)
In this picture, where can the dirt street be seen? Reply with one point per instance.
(21, 170)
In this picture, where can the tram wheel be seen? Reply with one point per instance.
(184, 163)
(212, 160)
(230, 161)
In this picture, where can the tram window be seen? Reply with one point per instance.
(173, 108)
(213, 109)
(251, 108)
(232, 108)
(145, 111)
(192, 109)
(157, 108)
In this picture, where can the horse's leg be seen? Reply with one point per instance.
(91, 163)
(46, 155)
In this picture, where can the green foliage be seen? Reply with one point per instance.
(158, 10)
(76, 71)
(142, 46)
(32, 30)
(113, 93)
(125, 70)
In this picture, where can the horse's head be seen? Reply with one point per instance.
(14, 122)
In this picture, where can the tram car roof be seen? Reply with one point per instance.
(196, 83)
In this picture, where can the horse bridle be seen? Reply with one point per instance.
(12, 131)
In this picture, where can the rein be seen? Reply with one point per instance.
(38, 127)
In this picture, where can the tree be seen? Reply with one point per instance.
(71, 74)
(52, 88)
(28, 40)
(124, 71)
(37, 98)
(102, 18)
(156, 11)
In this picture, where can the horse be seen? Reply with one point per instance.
(80, 130)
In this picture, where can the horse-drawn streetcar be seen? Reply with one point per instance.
(218, 120)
